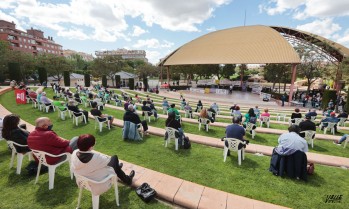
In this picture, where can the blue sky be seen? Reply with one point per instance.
(161, 26)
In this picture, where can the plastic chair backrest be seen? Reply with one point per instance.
(297, 121)
(264, 118)
(331, 125)
(233, 144)
(84, 182)
(12, 144)
(171, 132)
(249, 126)
(308, 134)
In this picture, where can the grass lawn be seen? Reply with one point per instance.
(251, 179)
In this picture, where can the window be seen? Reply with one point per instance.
(21, 45)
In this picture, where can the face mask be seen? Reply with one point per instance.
(49, 127)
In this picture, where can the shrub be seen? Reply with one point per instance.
(14, 71)
(42, 74)
(131, 83)
(117, 81)
(66, 77)
(87, 79)
(104, 80)
(145, 84)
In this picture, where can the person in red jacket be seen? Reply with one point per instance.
(44, 139)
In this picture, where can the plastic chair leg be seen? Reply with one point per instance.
(19, 163)
(239, 156)
(225, 153)
(100, 127)
(38, 173)
(12, 158)
(176, 140)
(95, 201)
(116, 194)
(51, 175)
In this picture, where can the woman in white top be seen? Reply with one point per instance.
(96, 166)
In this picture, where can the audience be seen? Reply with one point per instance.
(296, 114)
(250, 117)
(187, 107)
(165, 103)
(311, 113)
(72, 106)
(59, 104)
(173, 109)
(44, 139)
(149, 110)
(198, 106)
(307, 125)
(173, 123)
(342, 139)
(96, 166)
(290, 142)
(331, 119)
(12, 132)
(235, 131)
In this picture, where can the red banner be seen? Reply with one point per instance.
(20, 96)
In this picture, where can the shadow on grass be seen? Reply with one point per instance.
(318, 148)
(257, 139)
(247, 163)
(61, 193)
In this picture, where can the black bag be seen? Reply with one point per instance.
(145, 192)
(186, 144)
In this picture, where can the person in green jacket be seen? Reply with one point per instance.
(173, 109)
(59, 104)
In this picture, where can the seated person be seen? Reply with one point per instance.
(203, 115)
(59, 104)
(149, 110)
(250, 117)
(173, 109)
(138, 99)
(133, 117)
(99, 102)
(126, 104)
(237, 113)
(183, 103)
(173, 123)
(12, 132)
(296, 114)
(307, 125)
(33, 95)
(188, 108)
(72, 106)
(235, 131)
(38, 97)
(327, 112)
(232, 108)
(77, 97)
(311, 113)
(96, 166)
(44, 139)
(102, 117)
(44, 100)
(212, 113)
(165, 103)
(198, 106)
(290, 142)
(343, 114)
(215, 107)
(331, 119)
(256, 111)
(342, 139)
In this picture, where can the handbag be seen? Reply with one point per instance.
(145, 192)
(310, 168)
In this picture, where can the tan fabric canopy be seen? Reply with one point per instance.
(241, 45)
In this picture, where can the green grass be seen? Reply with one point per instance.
(201, 164)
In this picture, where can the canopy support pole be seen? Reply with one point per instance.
(294, 71)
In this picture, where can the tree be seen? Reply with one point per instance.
(42, 74)
(87, 79)
(14, 71)
(108, 66)
(26, 61)
(228, 70)
(117, 81)
(4, 54)
(66, 75)
(280, 73)
(131, 83)
(242, 68)
(55, 65)
(104, 80)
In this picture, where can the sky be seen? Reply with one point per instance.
(161, 26)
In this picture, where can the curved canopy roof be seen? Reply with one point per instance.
(241, 45)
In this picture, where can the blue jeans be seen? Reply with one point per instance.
(344, 137)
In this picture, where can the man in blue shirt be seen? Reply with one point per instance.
(235, 131)
(331, 119)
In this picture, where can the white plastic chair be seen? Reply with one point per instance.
(100, 123)
(171, 134)
(204, 121)
(342, 122)
(264, 119)
(77, 116)
(146, 116)
(47, 107)
(62, 113)
(312, 118)
(84, 183)
(297, 121)
(34, 102)
(41, 156)
(280, 116)
(188, 114)
(199, 108)
(164, 110)
(309, 136)
(346, 141)
(330, 126)
(249, 127)
(19, 155)
(233, 145)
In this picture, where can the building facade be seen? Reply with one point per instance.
(124, 53)
(68, 53)
(31, 41)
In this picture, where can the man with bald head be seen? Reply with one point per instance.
(44, 139)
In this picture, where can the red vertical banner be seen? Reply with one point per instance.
(20, 96)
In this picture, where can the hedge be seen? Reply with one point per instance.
(42, 72)
(145, 84)
(327, 96)
(66, 77)
(117, 81)
(14, 71)
(131, 83)
(104, 80)
(87, 79)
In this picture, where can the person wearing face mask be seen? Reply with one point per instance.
(43, 138)
(133, 117)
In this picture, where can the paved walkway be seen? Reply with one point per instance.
(181, 192)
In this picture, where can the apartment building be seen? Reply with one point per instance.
(124, 53)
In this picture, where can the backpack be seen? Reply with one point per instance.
(186, 143)
(253, 120)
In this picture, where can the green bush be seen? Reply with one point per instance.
(117, 81)
(66, 77)
(131, 83)
(42, 72)
(87, 79)
(327, 96)
(104, 80)
(14, 71)
(145, 84)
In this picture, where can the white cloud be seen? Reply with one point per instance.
(211, 29)
(344, 39)
(137, 31)
(73, 34)
(153, 56)
(302, 9)
(323, 27)
(152, 44)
